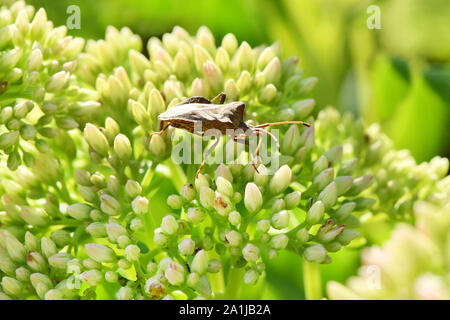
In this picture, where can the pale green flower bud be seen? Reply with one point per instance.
(181, 65)
(347, 236)
(133, 188)
(343, 183)
(193, 279)
(334, 155)
(273, 71)
(11, 286)
(207, 197)
(132, 252)
(196, 215)
(112, 129)
(6, 265)
(169, 225)
(8, 139)
(252, 198)
(188, 192)
(291, 140)
(140, 115)
(123, 241)
(323, 179)
(34, 216)
(60, 260)
(41, 284)
(22, 274)
(302, 235)
(224, 186)
(292, 199)
(213, 76)
(174, 201)
(79, 211)
(122, 147)
(214, 266)
(244, 82)
(61, 238)
(251, 277)
(222, 59)
(315, 213)
(344, 211)
(225, 172)
(156, 103)
(234, 238)
(320, 165)
(186, 247)
(96, 139)
(280, 220)
(230, 43)
(138, 61)
(83, 177)
(100, 252)
(54, 294)
(360, 184)
(16, 250)
(263, 225)
(244, 57)
(174, 273)
(160, 238)
(39, 25)
(231, 90)
(234, 218)
(303, 108)
(265, 57)
(96, 215)
(250, 252)
(136, 224)
(200, 57)
(348, 167)
(57, 81)
(34, 60)
(115, 230)
(92, 277)
(279, 241)
(36, 261)
(111, 276)
(329, 195)
(5, 115)
(125, 293)
(124, 264)
(109, 205)
(364, 203)
(267, 94)
(9, 59)
(200, 262)
(48, 247)
(140, 205)
(315, 253)
(281, 180)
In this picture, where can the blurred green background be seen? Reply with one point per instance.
(398, 75)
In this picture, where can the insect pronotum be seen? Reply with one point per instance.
(220, 117)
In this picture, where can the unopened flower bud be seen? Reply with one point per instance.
(234, 218)
(281, 180)
(207, 197)
(186, 247)
(263, 225)
(48, 247)
(343, 183)
(292, 199)
(100, 252)
(348, 167)
(169, 225)
(174, 273)
(252, 198)
(188, 192)
(11, 286)
(96, 139)
(360, 184)
(140, 205)
(109, 205)
(279, 241)
(200, 262)
(132, 252)
(224, 186)
(250, 252)
(329, 195)
(280, 220)
(234, 238)
(16, 249)
(122, 147)
(125, 293)
(347, 236)
(315, 213)
(251, 277)
(344, 211)
(315, 253)
(92, 277)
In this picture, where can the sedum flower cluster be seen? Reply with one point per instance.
(92, 206)
(413, 264)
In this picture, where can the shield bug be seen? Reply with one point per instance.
(226, 118)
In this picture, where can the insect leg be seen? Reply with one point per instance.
(206, 156)
(283, 122)
(222, 97)
(270, 134)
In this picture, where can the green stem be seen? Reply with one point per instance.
(177, 174)
(312, 281)
(234, 282)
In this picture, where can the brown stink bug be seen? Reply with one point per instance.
(222, 117)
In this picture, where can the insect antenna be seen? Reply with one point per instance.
(282, 122)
